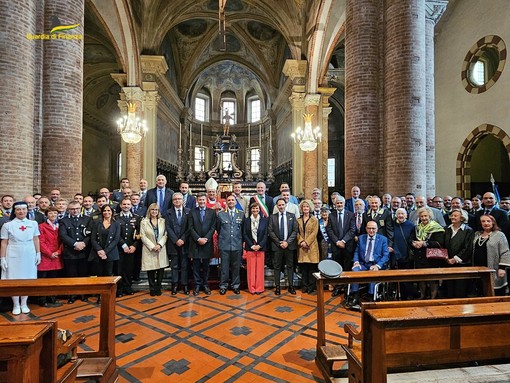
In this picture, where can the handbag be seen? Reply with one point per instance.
(436, 253)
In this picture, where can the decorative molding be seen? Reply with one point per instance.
(153, 64)
(120, 78)
(434, 9)
(312, 99)
(295, 70)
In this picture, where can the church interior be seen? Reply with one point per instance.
(392, 96)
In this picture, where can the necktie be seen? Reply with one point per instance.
(369, 249)
(133, 209)
(282, 227)
(232, 216)
(31, 215)
(340, 224)
(161, 200)
(202, 215)
(358, 221)
(179, 216)
(487, 211)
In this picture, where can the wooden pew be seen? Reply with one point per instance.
(98, 364)
(407, 335)
(327, 355)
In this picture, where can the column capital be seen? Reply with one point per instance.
(326, 93)
(312, 99)
(434, 9)
(120, 78)
(295, 70)
(297, 100)
(153, 64)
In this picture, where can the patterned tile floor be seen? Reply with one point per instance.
(230, 338)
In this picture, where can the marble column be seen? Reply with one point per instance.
(152, 67)
(434, 9)
(132, 153)
(311, 171)
(296, 71)
(326, 93)
(63, 99)
(18, 73)
(362, 95)
(405, 154)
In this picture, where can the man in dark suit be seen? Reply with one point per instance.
(380, 216)
(282, 231)
(74, 231)
(143, 191)
(349, 203)
(458, 204)
(489, 207)
(341, 230)
(177, 228)
(32, 213)
(161, 195)
(202, 227)
(128, 245)
(190, 202)
(372, 253)
(137, 207)
(264, 201)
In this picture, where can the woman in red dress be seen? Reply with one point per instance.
(51, 251)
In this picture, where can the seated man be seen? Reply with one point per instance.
(372, 253)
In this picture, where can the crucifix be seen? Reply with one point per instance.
(221, 18)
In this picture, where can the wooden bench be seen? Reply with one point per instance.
(28, 353)
(327, 355)
(399, 336)
(98, 365)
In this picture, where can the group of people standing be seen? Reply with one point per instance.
(404, 229)
(160, 228)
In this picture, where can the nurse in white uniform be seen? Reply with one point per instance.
(20, 252)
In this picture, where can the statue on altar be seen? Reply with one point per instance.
(227, 117)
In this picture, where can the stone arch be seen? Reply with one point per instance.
(463, 166)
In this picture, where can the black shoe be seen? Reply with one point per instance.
(71, 300)
(186, 291)
(196, 291)
(174, 290)
(304, 290)
(129, 292)
(207, 290)
(119, 295)
(292, 290)
(277, 291)
(158, 292)
(336, 292)
(237, 291)
(152, 293)
(223, 291)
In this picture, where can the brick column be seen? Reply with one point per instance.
(133, 152)
(63, 100)
(326, 93)
(434, 10)
(405, 155)
(296, 70)
(362, 95)
(18, 73)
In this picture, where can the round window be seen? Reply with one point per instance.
(483, 64)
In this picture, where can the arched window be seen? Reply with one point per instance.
(201, 110)
(200, 158)
(254, 109)
(228, 108)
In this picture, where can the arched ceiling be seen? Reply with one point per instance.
(260, 36)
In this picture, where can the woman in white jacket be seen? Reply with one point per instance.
(154, 257)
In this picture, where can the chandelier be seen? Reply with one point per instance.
(130, 127)
(307, 138)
